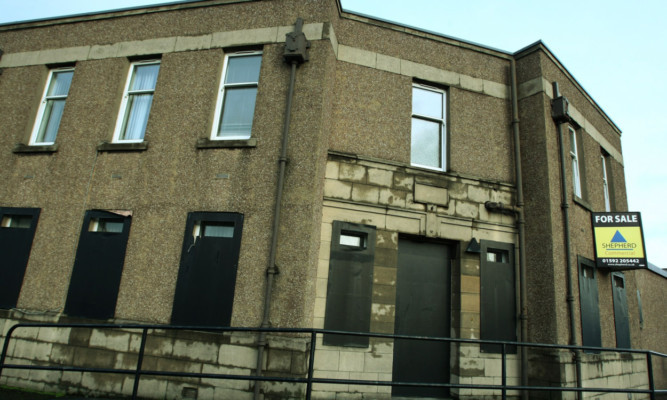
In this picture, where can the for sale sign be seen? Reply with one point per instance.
(619, 240)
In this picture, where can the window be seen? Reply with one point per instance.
(606, 181)
(136, 103)
(235, 107)
(428, 138)
(207, 273)
(350, 283)
(17, 230)
(98, 265)
(107, 225)
(16, 221)
(52, 106)
(576, 173)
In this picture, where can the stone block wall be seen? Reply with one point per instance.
(401, 200)
(598, 370)
(474, 367)
(167, 351)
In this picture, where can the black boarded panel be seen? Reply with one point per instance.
(590, 309)
(350, 285)
(15, 245)
(207, 273)
(98, 266)
(497, 297)
(621, 316)
(423, 297)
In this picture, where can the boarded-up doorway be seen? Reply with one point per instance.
(423, 296)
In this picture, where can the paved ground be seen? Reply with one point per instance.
(16, 394)
(13, 394)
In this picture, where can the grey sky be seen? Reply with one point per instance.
(615, 49)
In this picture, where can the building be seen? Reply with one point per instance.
(285, 163)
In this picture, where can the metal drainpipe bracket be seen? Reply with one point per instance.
(273, 271)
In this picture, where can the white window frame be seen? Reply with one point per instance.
(605, 184)
(576, 171)
(443, 127)
(120, 121)
(221, 96)
(42, 108)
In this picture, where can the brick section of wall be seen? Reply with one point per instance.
(183, 351)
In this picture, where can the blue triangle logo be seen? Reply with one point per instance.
(618, 238)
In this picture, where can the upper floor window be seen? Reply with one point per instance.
(605, 183)
(576, 172)
(51, 108)
(137, 100)
(428, 138)
(235, 106)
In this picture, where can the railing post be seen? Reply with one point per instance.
(140, 360)
(311, 364)
(649, 370)
(5, 346)
(504, 371)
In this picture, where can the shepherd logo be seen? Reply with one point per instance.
(618, 243)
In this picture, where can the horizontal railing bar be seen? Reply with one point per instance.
(308, 331)
(326, 380)
(335, 332)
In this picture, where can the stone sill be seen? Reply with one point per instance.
(205, 143)
(24, 148)
(583, 203)
(105, 146)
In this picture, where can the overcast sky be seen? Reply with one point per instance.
(617, 50)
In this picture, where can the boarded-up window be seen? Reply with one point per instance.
(621, 315)
(17, 230)
(590, 309)
(498, 296)
(207, 274)
(350, 285)
(93, 289)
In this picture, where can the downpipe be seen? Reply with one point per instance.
(521, 224)
(518, 212)
(561, 116)
(295, 54)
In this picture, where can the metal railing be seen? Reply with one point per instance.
(309, 380)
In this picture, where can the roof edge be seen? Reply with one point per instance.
(541, 46)
(400, 27)
(115, 13)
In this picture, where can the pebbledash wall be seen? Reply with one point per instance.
(358, 208)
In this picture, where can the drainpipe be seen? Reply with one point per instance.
(295, 54)
(521, 222)
(559, 112)
(518, 213)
